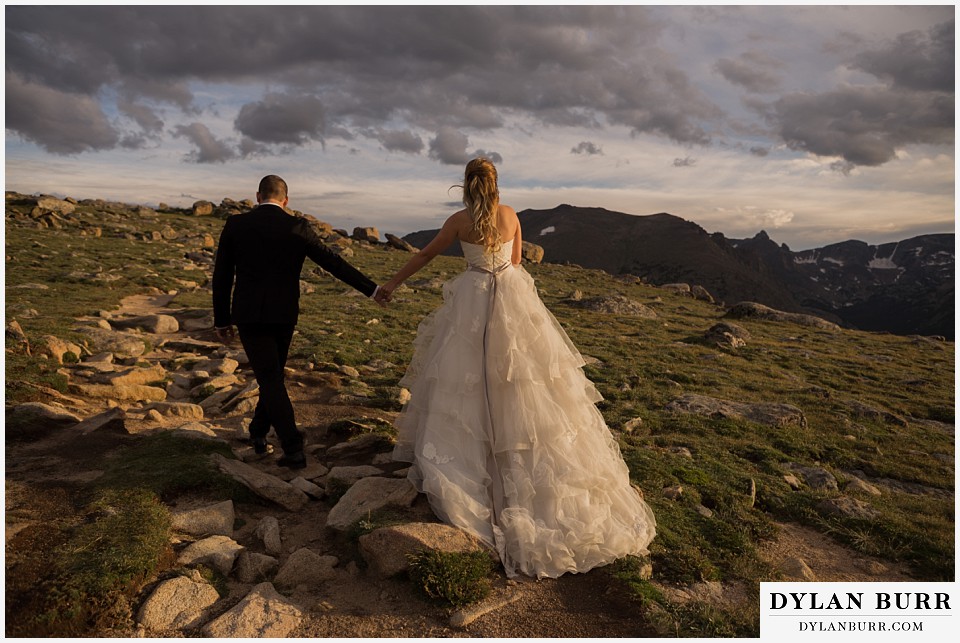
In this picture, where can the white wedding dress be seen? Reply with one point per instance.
(503, 432)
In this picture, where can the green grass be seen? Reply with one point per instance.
(170, 466)
(451, 578)
(101, 566)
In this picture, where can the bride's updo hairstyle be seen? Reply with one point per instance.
(482, 198)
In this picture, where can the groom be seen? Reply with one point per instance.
(264, 250)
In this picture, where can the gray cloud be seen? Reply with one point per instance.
(249, 147)
(493, 156)
(282, 118)
(209, 148)
(145, 117)
(400, 141)
(915, 60)
(752, 71)
(586, 147)
(432, 67)
(759, 151)
(60, 122)
(684, 162)
(863, 125)
(392, 73)
(450, 146)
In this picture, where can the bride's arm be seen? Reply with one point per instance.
(517, 253)
(446, 236)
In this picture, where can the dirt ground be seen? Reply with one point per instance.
(43, 476)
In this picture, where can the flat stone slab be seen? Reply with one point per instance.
(212, 520)
(367, 496)
(263, 613)
(109, 341)
(182, 410)
(122, 393)
(771, 414)
(187, 345)
(752, 310)
(114, 418)
(263, 484)
(350, 475)
(45, 414)
(367, 444)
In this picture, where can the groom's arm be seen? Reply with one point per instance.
(334, 264)
(224, 268)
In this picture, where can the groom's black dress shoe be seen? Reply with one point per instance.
(261, 447)
(293, 461)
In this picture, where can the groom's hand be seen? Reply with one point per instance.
(382, 296)
(226, 334)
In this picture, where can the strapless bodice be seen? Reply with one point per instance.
(477, 258)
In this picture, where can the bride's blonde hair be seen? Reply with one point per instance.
(482, 198)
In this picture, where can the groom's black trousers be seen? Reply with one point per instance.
(266, 346)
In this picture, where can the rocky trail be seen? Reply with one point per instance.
(291, 565)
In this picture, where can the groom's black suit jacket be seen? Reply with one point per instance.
(265, 248)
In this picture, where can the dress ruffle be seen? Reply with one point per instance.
(504, 434)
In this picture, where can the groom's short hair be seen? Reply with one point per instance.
(273, 187)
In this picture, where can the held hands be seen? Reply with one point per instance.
(384, 294)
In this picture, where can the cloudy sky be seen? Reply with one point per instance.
(818, 124)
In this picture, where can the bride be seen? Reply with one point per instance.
(501, 427)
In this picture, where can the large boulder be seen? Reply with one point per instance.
(216, 551)
(387, 549)
(53, 204)
(396, 242)
(255, 568)
(727, 335)
(532, 252)
(176, 604)
(305, 567)
(369, 234)
(58, 348)
(263, 613)
(202, 209)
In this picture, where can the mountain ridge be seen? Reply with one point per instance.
(903, 287)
